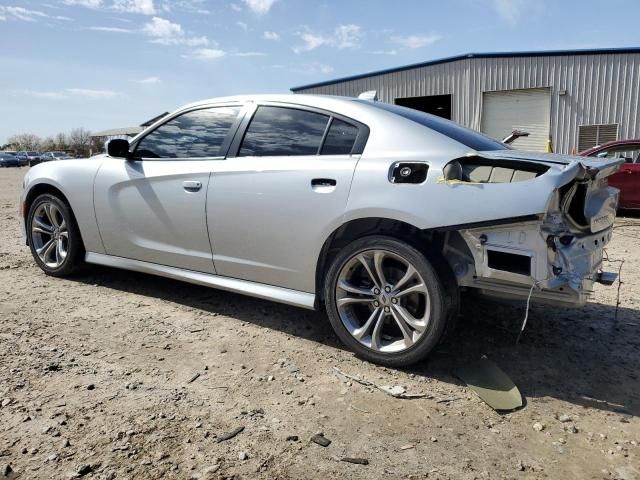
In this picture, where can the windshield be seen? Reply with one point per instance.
(470, 138)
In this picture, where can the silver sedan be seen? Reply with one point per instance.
(377, 213)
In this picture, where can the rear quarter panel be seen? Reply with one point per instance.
(436, 203)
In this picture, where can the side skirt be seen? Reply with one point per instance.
(258, 290)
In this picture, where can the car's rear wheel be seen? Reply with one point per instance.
(54, 237)
(385, 301)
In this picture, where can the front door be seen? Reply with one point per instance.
(270, 208)
(152, 207)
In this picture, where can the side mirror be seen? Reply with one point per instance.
(118, 148)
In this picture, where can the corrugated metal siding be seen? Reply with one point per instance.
(600, 89)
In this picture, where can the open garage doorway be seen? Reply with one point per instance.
(439, 105)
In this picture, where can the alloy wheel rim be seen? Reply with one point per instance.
(49, 235)
(383, 301)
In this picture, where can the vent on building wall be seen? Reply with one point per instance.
(592, 135)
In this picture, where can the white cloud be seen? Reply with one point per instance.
(344, 36)
(259, 6)
(236, 7)
(46, 95)
(314, 68)
(216, 53)
(248, 54)
(159, 27)
(347, 36)
(89, 93)
(509, 10)
(206, 54)
(84, 3)
(416, 41)
(243, 26)
(111, 29)
(271, 36)
(191, 6)
(384, 52)
(165, 32)
(311, 42)
(145, 7)
(20, 13)
(188, 41)
(148, 81)
(68, 93)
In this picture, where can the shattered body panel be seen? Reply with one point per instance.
(543, 229)
(557, 256)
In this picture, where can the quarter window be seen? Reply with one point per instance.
(340, 138)
(279, 131)
(195, 134)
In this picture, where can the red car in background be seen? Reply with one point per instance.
(628, 178)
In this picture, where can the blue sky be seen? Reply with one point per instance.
(109, 63)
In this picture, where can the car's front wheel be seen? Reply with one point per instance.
(54, 237)
(386, 301)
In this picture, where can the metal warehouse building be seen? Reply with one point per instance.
(572, 99)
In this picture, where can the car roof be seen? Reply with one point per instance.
(613, 143)
(302, 99)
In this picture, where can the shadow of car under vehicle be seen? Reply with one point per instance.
(577, 355)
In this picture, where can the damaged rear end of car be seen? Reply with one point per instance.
(552, 254)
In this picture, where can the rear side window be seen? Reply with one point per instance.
(195, 134)
(469, 138)
(280, 131)
(340, 138)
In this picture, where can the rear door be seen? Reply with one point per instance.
(152, 207)
(280, 193)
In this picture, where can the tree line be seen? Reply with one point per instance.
(77, 142)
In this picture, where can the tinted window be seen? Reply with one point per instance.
(470, 138)
(283, 131)
(195, 134)
(340, 138)
(630, 153)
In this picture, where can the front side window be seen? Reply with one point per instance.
(279, 131)
(195, 134)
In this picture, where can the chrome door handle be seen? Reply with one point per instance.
(192, 185)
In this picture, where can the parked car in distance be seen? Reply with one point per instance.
(49, 156)
(9, 160)
(378, 214)
(628, 178)
(29, 157)
(22, 158)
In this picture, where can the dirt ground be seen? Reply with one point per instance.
(119, 375)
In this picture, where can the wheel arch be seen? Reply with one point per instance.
(40, 189)
(428, 242)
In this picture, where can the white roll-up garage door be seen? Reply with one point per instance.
(528, 109)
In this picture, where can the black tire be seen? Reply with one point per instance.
(440, 302)
(74, 247)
